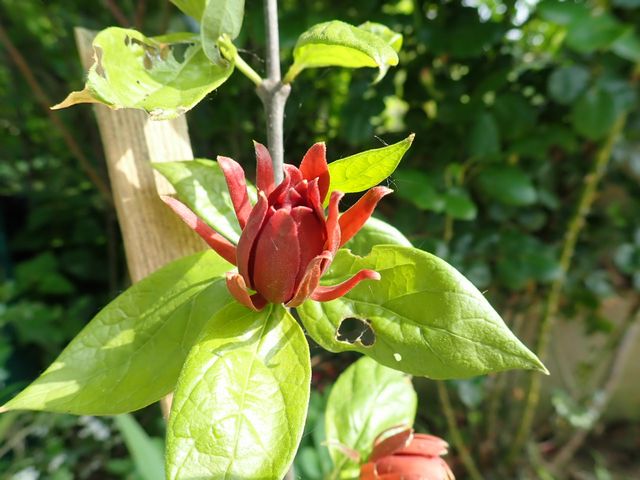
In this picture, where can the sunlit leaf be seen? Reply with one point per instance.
(394, 39)
(376, 232)
(191, 7)
(364, 170)
(165, 76)
(241, 400)
(338, 44)
(220, 17)
(423, 317)
(367, 399)
(131, 353)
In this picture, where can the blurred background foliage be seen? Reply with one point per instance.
(511, 103)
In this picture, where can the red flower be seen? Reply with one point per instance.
(287, 242)
(408, 456)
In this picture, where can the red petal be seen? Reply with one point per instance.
(423, 444)
(314, 165)
(353, 219)
(426, 468)
(294, 174)
(279, 194)
(264, 172)
(368, 472)
(325, 294)
(238, 288)
(310, 236)
(392, 444)
(333, 227)
(248, 237)
(276, 258)
(237, 185)
(310, 279)
(221, 245)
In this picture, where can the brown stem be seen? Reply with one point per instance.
(576, 225)
(456, 436)
(630, 332)
(117, 13)
(44, 102)
(141, 9)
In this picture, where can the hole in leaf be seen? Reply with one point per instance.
(352, 330)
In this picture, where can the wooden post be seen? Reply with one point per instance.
(153, 235)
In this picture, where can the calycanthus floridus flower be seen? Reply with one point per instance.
(287, 241)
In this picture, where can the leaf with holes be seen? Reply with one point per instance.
(366, 169)
(424, 317)
(338, 44)
(376, 232)
(367, 399)
(201, 185)
(131, 353)
(165, 76)
(241, 400)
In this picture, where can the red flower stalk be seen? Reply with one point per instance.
(407, 456)
(287, 242)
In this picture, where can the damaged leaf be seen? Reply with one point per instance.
(131, 353)
(367, 399)
(427, 318)
(165, 76)
(241, 400)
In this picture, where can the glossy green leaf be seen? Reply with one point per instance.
(200, 184)
(338, 44)
(594, 114)
(566, 84)
(376, 232)
(165, 76)
(193, 8)
(507, 185)
(240, 404)
(628, 46)
(131, 353)
(592, 33)
(367, 399)
(366, 169)
(423, 317)
(394, 39)
(484, 138)
(147, 455)
(220, 17)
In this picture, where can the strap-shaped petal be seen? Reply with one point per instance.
(249, 234)
(238, 288)
(333, 226)
(310, 279)
(353, 219)
(237, 185)
(221, 245)
(264, 172)
(314, 165)
(326, 294)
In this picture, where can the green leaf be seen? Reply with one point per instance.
(594, 114)
(193, 8)
(147, 455)
(200, 184)
(562, 12)
(458, 204)
(423, 317)
(567, 83)
(628, 46)
(376, 232)
(416, 186)
(592, 33)
(241, 400)
(220, 17)
(338, 44)
(366, 400)
(165, 76)
(394, 39)
(484, 138)
(131, 353)
(508, 185)
(364, 170)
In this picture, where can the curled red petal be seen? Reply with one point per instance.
(276, 258)
(238, 288)
(423, 444)
(425, 468)
(332, 224)
(353, 219)
(314, 165)
(325, 294)
(264, 173)
(237, 185)
(294, 173)
(249, 235)
(221, 245)
(310, 279)
(392, 444)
